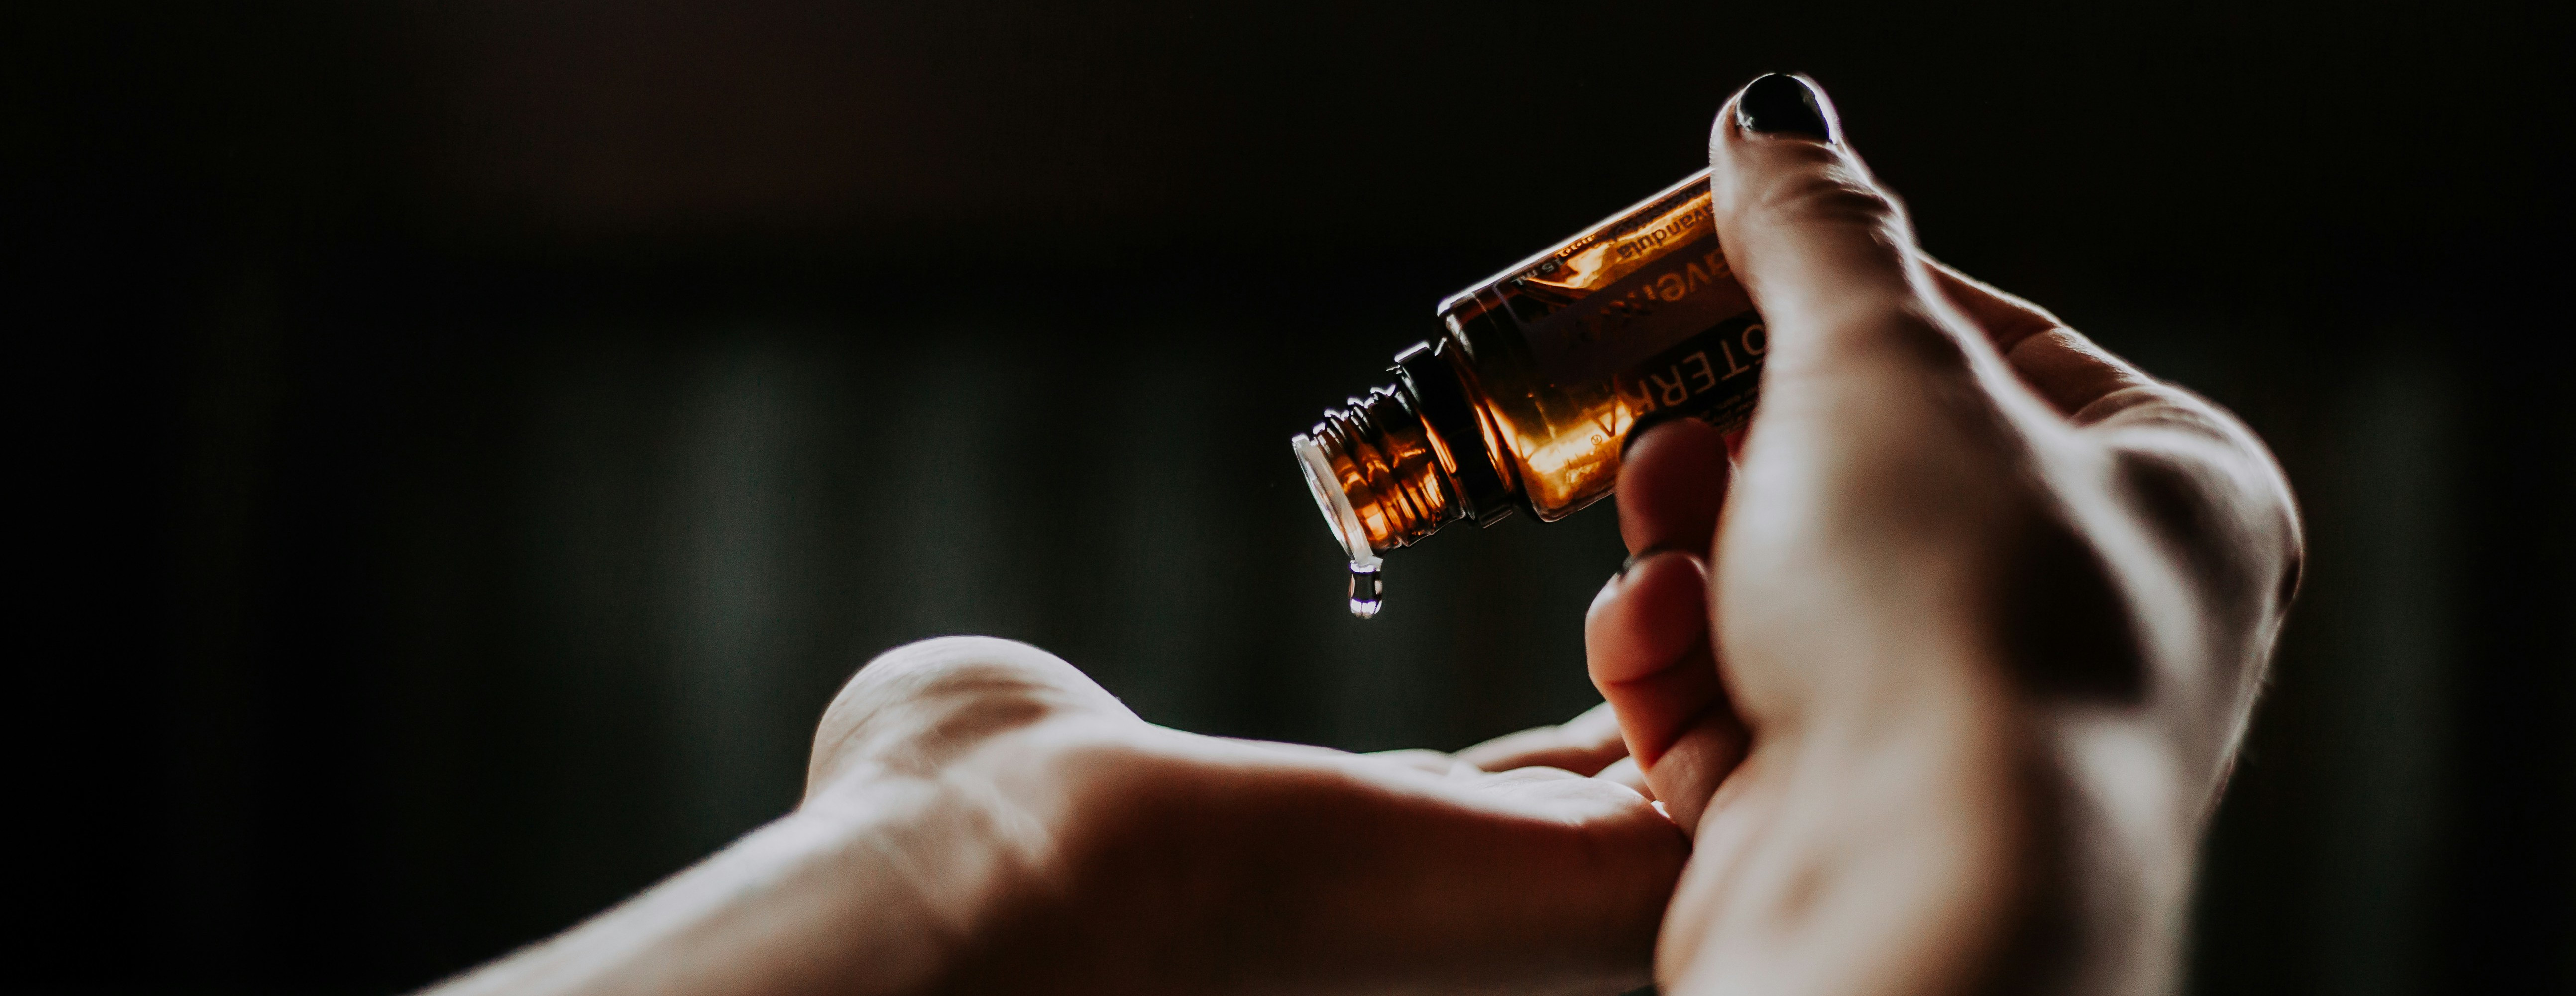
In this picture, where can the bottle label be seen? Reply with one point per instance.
(1710, 376)
(1648, 304)
(1675, 296)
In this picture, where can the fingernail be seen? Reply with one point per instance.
(1778, 104)
(1644, 555)
(1644, 424)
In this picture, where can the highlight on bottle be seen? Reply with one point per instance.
(1544, 370)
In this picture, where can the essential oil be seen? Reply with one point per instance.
(1544, 372)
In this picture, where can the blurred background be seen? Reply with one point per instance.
(466, 444)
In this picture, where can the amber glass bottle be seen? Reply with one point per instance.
(1543, 372)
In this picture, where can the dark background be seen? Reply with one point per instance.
(464, 445)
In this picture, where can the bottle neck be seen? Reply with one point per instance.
(1374, 460)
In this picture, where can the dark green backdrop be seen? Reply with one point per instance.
(470, 442)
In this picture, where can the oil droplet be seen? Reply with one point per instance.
(1368, 590)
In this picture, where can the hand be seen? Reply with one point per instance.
(1945, 671)
(980, 817)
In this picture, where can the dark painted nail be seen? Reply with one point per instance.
(1644, 424)
(1783, 105)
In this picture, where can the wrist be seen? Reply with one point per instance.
(859, 895)
(1050, 854)
(1914, 831)
(2038, 846)
(951, 863)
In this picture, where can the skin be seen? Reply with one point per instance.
(981, 817)
(1946, 669)
(1937, 676)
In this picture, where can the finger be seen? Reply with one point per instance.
(2064, 366)
(1647, 645)
(1583, 745)
(1366, 874)
(1877, 472)
(1828, 257)
(1431, 761)
(2006, 318)
(1626, 772)
(1672, 481)
(1873, 386)
(1647, 639)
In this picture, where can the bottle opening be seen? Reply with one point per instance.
(1379, 482)
(1333, 502)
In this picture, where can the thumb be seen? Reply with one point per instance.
(1875, 472)
(1828, 256)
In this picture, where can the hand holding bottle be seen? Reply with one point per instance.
(1946, 669)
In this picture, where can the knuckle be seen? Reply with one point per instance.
(1833, 195)
(1897, 331)
(2235, 540)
